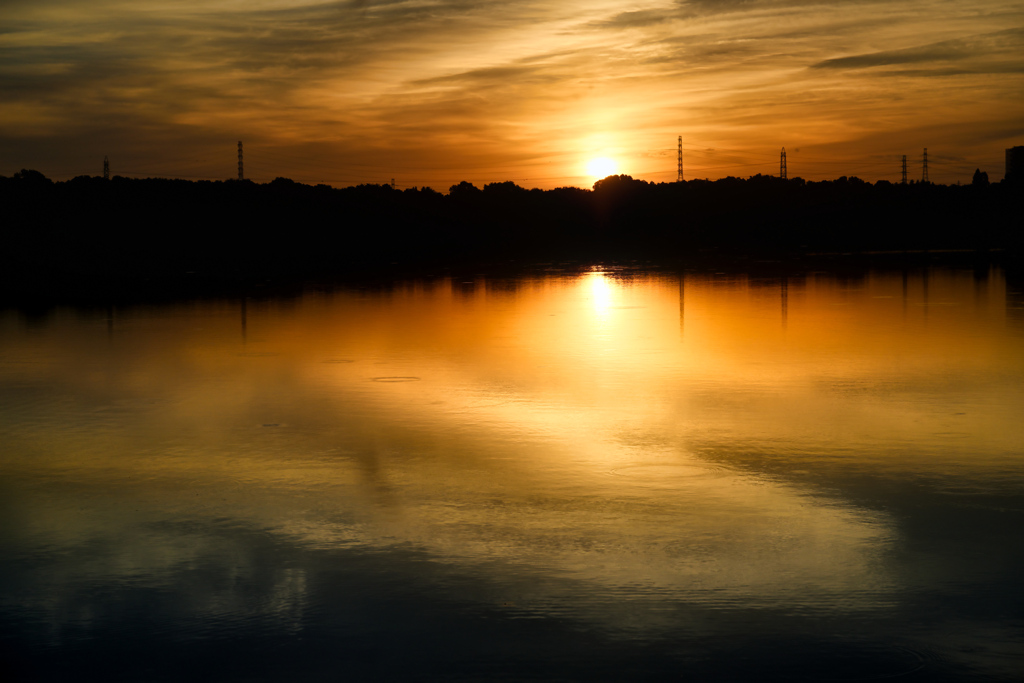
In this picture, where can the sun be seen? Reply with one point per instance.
(601, 167)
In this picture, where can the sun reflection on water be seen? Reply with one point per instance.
(486, 426)
(601, 292)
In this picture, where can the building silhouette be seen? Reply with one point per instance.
(1015, 163)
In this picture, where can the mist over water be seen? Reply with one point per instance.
(598, 475)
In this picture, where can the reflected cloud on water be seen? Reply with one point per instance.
(806, 469)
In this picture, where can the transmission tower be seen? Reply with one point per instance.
(782, 164)
(904, 169)
(924, 167)
(106, 168)
(241, 176)
(679, 157)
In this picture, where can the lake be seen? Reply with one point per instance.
(599, 473)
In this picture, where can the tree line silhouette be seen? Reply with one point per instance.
(95, 233)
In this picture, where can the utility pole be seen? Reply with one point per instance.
(106, 167)
(924, 172)
(782, 164)
(679, 157)
(904, 181)
(241, 176)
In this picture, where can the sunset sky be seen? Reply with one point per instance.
(432, 92)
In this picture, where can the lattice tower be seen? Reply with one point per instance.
(679, 158)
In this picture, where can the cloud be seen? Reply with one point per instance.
(702, 7)
(491, 75)
(911, 56)
(1009, 44)
(471, 82)
(634, 19)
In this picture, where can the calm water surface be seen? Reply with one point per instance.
(604, 475)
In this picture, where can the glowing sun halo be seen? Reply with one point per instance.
(601, 167)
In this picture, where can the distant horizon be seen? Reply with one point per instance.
(939, 167)
(446, 190)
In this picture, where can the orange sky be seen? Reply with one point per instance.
(432, 92)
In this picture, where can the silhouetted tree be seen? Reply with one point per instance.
(31, 177)
(617, 183)
(463, 189)
(505, 189)
(231, 231)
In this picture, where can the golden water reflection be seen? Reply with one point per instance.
(684, 436)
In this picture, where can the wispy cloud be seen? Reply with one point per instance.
(635, 19)
(447, 88)
(1006, 46)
